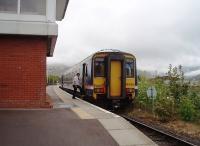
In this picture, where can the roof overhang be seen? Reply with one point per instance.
(61, 6)
(51, 45)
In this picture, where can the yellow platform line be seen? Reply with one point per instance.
(68, 100)
(82, 114)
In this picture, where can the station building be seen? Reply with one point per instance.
(28, 34)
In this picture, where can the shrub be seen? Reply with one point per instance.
(52, 79)
(142, 99)
(161, 88)
(195, 98)
(164, 109)
(196, 102)
(177, 85)
(187, 109)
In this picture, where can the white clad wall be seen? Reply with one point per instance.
(31, 17)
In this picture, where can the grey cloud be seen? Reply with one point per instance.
(158, 32)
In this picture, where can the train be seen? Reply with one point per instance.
(107, 76)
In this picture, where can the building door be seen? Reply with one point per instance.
(115, 78)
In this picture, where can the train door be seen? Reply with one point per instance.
(84, 74)
(115, 78)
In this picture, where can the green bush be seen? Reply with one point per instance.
(178, 87)
(197, 107)
(195, 98)
(52, 79)
(161, 88)
(142, 97)
(187, 109)
(164, 109)
(183, 99)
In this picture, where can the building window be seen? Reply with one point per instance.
(8, 6)
(35, 7)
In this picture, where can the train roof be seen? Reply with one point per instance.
(109, 50)
(112, 51)
(106, 51)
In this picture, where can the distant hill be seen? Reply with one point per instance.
(188, 69)
(192, 73)
(56, 69)
(197, 77)
(147, 74)
(194, 78)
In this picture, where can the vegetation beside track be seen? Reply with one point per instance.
(176, 97)
(177, 105)
(53, 79)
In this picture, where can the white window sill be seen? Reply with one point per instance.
(22, 17)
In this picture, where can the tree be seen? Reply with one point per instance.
(53, 79)
(177, 85)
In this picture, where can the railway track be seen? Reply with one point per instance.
(160, 137)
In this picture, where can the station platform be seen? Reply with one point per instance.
(71, 122)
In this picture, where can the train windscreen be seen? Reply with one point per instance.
(99, 67)
(129, 68)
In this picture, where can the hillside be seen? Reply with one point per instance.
(56, 69)
(192, 73)
(188, 69)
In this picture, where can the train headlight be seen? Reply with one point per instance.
(99, 90)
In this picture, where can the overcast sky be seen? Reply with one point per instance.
(157, 32)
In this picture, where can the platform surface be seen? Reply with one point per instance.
(120, 129)
(72, 122)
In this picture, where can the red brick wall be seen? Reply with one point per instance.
(22, 71)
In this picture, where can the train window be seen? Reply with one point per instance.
(99, 67)
(129, 68)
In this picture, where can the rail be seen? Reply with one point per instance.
(179, 141)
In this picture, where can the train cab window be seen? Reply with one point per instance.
(99, 67)
(129, 68)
